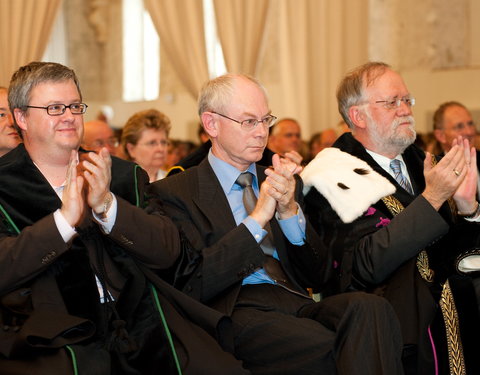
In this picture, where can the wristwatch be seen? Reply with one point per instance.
(106, 206)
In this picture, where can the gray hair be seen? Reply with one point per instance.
(350, 90)
(27, 77)
(217, 93)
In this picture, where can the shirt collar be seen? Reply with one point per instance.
(384, 162)
(227, 174)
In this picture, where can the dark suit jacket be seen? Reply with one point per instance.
(223, 254)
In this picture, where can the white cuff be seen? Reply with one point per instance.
(64, 228)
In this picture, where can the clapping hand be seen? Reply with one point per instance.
(96, 169)
(281, 183)
(73, 204)
(465, 195)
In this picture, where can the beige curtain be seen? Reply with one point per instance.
(180, 26)
(240, 27)
(312, 44)
(24, 32)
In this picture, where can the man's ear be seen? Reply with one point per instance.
(210, 124)
(20, 118)
(357, 116)
(440, 136)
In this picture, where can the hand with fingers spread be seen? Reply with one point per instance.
(465, 195)
(97, 172)
(282, 185)
(442, 180)
(73, 204)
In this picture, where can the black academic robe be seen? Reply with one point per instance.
(377, 252)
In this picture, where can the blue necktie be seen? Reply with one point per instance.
(401, 179)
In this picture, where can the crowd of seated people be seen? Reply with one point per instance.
(123, 251)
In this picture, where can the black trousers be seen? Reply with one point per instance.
(278, 332)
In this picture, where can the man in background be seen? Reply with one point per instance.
(9, 138)
(286, 136)
(453, 119)
(450, 120)
(319, 141)
(99, 134)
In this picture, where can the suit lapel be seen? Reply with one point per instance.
(25, 194)
(211, 199)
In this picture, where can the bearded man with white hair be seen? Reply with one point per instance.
(399, 223)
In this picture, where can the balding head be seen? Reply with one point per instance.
(285, 136)
(98, 134)
(450, 120)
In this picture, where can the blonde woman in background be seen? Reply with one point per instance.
(145, 141)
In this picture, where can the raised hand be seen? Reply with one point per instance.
(97, 172)
(73, 204)
(465, 195)
(282, 185)
(443, 179)
(265, 207)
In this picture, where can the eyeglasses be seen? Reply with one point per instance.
(463, 125)
(395, 103)
(249, 124)
(59, 109)
(155, 143)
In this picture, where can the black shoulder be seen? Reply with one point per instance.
(129, 181)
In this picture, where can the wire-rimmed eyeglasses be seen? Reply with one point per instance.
(396, 102)
(249, 124)
(59, 109)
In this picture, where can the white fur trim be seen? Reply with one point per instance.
(332, 166)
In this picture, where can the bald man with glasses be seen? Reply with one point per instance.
(98, 134)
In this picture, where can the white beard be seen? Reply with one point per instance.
(389, 140)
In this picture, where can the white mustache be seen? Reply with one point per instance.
(396, 123)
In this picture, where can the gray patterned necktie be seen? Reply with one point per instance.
(399, 176)
(249, 201)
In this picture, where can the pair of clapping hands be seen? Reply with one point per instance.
(87, 184)
(454, 176)
(277, 192)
